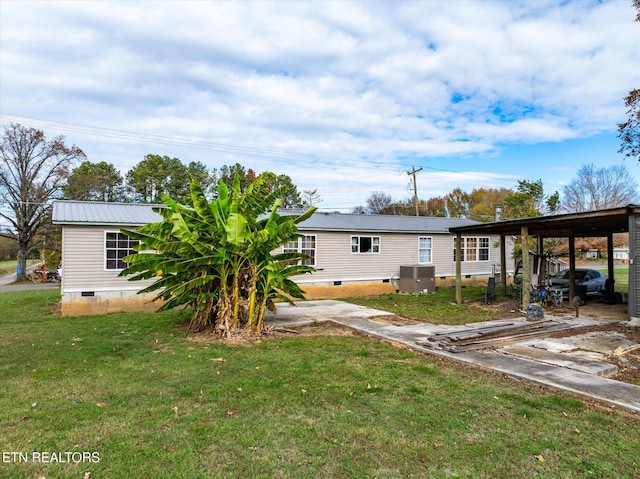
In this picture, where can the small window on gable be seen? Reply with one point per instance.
(116, 247)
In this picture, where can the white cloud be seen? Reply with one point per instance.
(393, 83)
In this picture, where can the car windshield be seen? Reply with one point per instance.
(580, 274)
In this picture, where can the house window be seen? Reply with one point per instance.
(305, 244)
(473, 249)
(483, 249)
(455, 256)
(424, 250)
(365, 244)
(116, 247)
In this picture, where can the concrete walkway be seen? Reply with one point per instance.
(371, 321)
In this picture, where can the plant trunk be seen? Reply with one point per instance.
(222, 325)
(223, 307)
(251, 319)
(235, 299)
(261, 312)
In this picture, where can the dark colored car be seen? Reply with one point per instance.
(593, 280)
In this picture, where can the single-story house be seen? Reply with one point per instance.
(358, 254)
(353, 254)
(621, 253)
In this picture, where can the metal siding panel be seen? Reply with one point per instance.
(634, 272)
(83, 262)
(335, 262)
(83, 259)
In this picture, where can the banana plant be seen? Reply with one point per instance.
(217, 259)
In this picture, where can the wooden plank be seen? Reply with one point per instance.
(499, 337)
(495, 331)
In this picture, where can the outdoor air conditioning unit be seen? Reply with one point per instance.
(417, 279)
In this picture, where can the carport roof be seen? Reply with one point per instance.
(585, 224)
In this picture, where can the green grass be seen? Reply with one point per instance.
(9, 266)
(152, 403)
(439, 308)
(621, 278)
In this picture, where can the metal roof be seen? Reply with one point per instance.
(98, 213)
(381, 223)
(134, 214)
(597, 223)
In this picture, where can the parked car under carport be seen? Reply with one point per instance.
(589, 282)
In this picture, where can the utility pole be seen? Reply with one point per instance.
(415, 187)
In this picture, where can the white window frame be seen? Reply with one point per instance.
(356, 246)
(421, 249)
(484, 245)
(474, 248)
(299, 246)
(120, 250)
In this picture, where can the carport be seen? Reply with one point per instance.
(601, 223)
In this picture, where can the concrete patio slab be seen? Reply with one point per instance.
(588, 382)
(589, 363)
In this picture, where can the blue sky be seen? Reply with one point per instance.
(344, 97)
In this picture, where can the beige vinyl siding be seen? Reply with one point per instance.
(335, 262)
(83, 256)
(84, 259)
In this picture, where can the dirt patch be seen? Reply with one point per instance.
(55, 309)
(594, 308)
(394, 320)
(318, 328)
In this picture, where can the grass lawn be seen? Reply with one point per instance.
(9, 266)
(133, 392)
(621, 278)
(440, 308)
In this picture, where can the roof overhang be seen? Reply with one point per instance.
(586, 224)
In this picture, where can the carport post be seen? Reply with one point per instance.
(526, 267)
(503, 265)
(458, 268)
(572, 268)
(542, 262)
(610, 265)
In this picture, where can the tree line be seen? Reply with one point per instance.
(157, 175)
(593, 188)
(34, 171)
(481, 204)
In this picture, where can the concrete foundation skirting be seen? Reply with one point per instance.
(363, 287)
(103, 302)
(346, 289)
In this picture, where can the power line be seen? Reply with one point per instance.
(196, 144)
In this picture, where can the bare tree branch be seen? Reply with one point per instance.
(32, 173)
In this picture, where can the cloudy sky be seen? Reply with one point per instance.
(344, 97)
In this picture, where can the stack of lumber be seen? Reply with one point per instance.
(484, 337)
